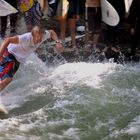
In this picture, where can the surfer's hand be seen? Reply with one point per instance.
(59, 48)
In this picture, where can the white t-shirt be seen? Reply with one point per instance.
(26, 46)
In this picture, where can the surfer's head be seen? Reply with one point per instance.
(37, 33)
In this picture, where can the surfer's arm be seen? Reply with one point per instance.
(55, 38)
(53, 35)
(6, 42)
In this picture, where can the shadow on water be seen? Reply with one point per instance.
(34, 104)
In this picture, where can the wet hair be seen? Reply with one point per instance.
(38, 29)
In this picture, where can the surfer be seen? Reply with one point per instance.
(14, 50)
(93, 10)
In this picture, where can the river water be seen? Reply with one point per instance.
(72, 101)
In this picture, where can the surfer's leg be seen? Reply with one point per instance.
(8, 67)
(4, 83)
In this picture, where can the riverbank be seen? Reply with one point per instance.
(122, 40)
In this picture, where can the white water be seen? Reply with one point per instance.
(65, 102)
(73, 101)
(29, 80)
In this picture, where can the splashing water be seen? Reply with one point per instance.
(72, 101)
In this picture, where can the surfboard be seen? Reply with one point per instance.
(62, 9)
(127, 5)
(109, 14)
(6, 8)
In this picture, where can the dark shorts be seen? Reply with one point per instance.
(72, 11)
(71, 15)
(8, 66)
(34, 15)
(94, 19)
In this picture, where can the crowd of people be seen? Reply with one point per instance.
(32, 11)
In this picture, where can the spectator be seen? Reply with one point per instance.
(93, 18)
(112, 33)
(72, 16)
(13, 20)
(33, 12)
